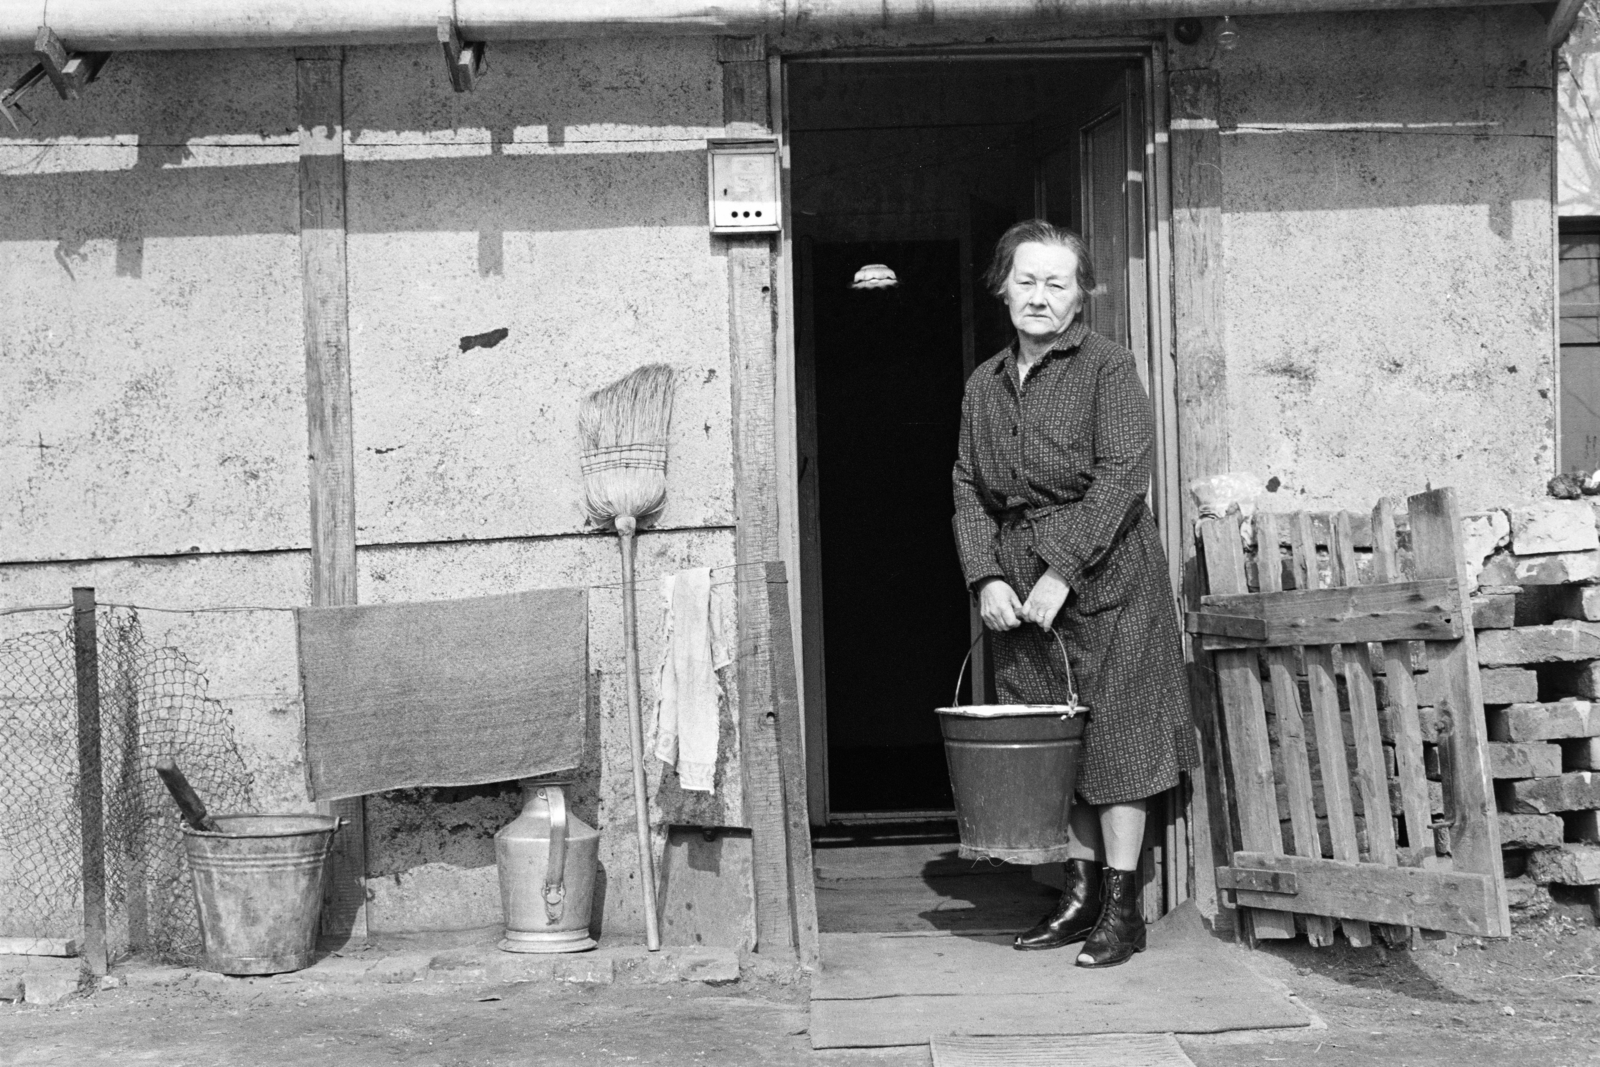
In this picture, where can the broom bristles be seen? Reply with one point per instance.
(623, 431)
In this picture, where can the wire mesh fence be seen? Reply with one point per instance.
(153, 704)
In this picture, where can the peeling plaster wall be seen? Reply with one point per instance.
(1388, 252)
(153, 379)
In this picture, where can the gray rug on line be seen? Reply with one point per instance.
(875, 990)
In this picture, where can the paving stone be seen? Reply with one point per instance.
(1509, 685)
(1567, 865)
(1575, 602)
(1544, 722)
(1574, 791)
(1581, 755)
(1557, 568)
(1553, 526)
(711, 965)
(1565, 641)
(1531, 831)
(1571, 679)
(338, 969)
(46, 987)
(1582, 826)
(1523, 759)
(1494, 612)
(406, 967)
(587, 968)
(11, 987)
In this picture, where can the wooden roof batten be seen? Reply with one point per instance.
(94, 26)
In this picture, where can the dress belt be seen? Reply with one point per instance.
(1025, 516)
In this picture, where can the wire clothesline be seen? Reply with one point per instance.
(26, 608)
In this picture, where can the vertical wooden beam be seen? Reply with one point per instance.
(319, 83)
(1194, 103)
(91, 794)
(753, 364)
(792, 762)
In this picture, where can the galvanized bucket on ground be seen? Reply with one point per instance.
(258, 889)
(1013, 769)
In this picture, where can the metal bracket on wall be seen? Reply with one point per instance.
(68, 71)
(465, 61)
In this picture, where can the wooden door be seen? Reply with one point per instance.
(1395, 626)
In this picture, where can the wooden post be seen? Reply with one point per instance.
(753, 360)
(1196, 156)
(320, 96)
(792, 763)
(91, 796)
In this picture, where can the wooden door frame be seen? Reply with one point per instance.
(797, 531)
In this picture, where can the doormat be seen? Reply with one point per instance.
(1091, 1050)
(880, 990)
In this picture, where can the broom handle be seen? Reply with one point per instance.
(626, 525)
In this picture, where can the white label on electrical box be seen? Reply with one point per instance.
(744, 193)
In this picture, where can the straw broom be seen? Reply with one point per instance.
(623, 430)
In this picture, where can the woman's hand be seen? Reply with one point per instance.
(1044, 602)
(998, 605)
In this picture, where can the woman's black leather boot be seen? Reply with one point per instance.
(1075, 913)
(1120, 931)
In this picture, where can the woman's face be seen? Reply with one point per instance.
(1042, 289)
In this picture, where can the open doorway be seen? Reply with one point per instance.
(903, 173)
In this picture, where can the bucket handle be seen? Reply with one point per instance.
(1072, 683)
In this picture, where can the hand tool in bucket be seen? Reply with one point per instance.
(1013, 770)
(194, 812)
(623, 431)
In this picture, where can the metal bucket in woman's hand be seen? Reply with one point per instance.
(1013, 769)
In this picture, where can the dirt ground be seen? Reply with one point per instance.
(1533, 1000)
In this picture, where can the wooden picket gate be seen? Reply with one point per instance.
(1396, 849)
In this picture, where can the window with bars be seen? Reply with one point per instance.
(1580, 345)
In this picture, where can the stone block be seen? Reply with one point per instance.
(1524, 759)
(1572, 791)
(1527, 897)
(1435, 797)
(1481, 534)
(1572, 864)
(1531, 831)
(1569, 640)
(1553, 526)
(1570, 680)
(10, 987)
(1427, 723)
(714, 966)
(585, 968)
(1583, 826)
(1495, 611)
(1558, 568)
(1544, 722)
(46, 987)
(1509, 685)
(1575, 602)
(1581, 755)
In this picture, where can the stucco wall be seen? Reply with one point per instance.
(153, 376)
(1388, 249)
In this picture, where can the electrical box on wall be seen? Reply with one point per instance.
(743, 177)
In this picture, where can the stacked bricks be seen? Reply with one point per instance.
(1537, 616)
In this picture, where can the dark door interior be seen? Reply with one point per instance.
(888, 394)
(917, 166)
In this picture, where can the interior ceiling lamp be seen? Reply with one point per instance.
(1227, 34)
(875, 276)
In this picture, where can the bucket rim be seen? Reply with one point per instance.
(325, 824)
(1004, 711)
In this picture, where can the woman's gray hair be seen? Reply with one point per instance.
(1042, 232)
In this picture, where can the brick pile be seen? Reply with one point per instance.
(1537, 617)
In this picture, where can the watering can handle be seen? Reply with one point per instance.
(555, 889)
(1072, 683)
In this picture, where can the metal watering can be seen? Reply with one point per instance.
(1014, 770)
(547, 859)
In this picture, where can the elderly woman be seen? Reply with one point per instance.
(1051, 522)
